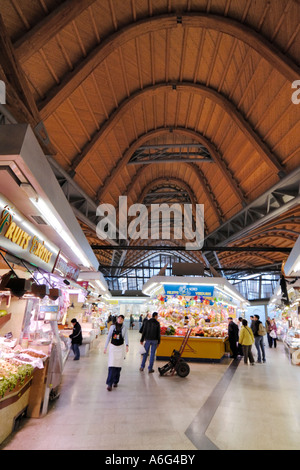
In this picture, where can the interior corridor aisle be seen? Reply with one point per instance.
(223, 406)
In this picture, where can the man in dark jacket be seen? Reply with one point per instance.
(151, 335)
(233, 336)
(259, 340)
(76, 338)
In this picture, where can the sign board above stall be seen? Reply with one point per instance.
(189, 290)
(22, 239)
(187, 269)
(65, 268)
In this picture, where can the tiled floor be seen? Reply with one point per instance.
(218, 406)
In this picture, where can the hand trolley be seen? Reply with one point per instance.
(177, 363)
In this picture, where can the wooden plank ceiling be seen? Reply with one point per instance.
(106, 77)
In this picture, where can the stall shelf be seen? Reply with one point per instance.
(5, 319)
(203, 304)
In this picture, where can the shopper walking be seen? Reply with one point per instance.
(140, 321)
(246, 339)
(117, 339)
(240, 347)
(131, 322)
(147, 317)
(259, 332)
(233, 337)
(273, 333)
(268, 328)
(76, 338)
(252, 322)
(151, 336)
(109, 321)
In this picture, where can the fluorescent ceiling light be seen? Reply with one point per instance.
(100, 285)
(149, 288)
(130, 299)
(54, 223)
(234, 295)
(297, 267)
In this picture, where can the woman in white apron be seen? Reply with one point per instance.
(117, 339)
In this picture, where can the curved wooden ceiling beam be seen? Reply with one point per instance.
(138, 175)
(192, 256)
(228, 107)
(217, 158)
(208, 192)
(162, 181)
(159, 181)
(199, 174)
(255, 40)
(226, 25)
(41, 33)
(148, 256)
(138, 143)
(227, 259)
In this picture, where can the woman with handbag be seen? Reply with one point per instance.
(273, 333)
(117, 339)
(246, 339)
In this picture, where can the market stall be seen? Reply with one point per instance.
(23, 369)
(131, 306)
(285, 305)
(42, 254)
(89, 307)
(203, 304)
(36, 280)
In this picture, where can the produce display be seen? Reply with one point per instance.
(16, 364)
(13, 373)
(206, 317)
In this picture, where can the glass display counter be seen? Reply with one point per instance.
(291, 343)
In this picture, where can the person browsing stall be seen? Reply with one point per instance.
(76, 338)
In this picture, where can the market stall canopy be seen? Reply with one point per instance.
(29, 183)
(193, 286)
(287, 290)
(96, 278)
(292, 265)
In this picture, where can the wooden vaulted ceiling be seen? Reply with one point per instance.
(105, 77)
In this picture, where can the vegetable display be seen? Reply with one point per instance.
(206, 317)
(13, 373)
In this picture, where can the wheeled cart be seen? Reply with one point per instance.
(177, 363)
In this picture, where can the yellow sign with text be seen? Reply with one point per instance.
(21, 238)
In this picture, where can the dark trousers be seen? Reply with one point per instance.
(248, 354)
(233, 348)
(113, 376)
(76, 351)
(269, 340)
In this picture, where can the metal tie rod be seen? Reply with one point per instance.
(204, 248)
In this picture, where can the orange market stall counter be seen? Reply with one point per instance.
(198, 349)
